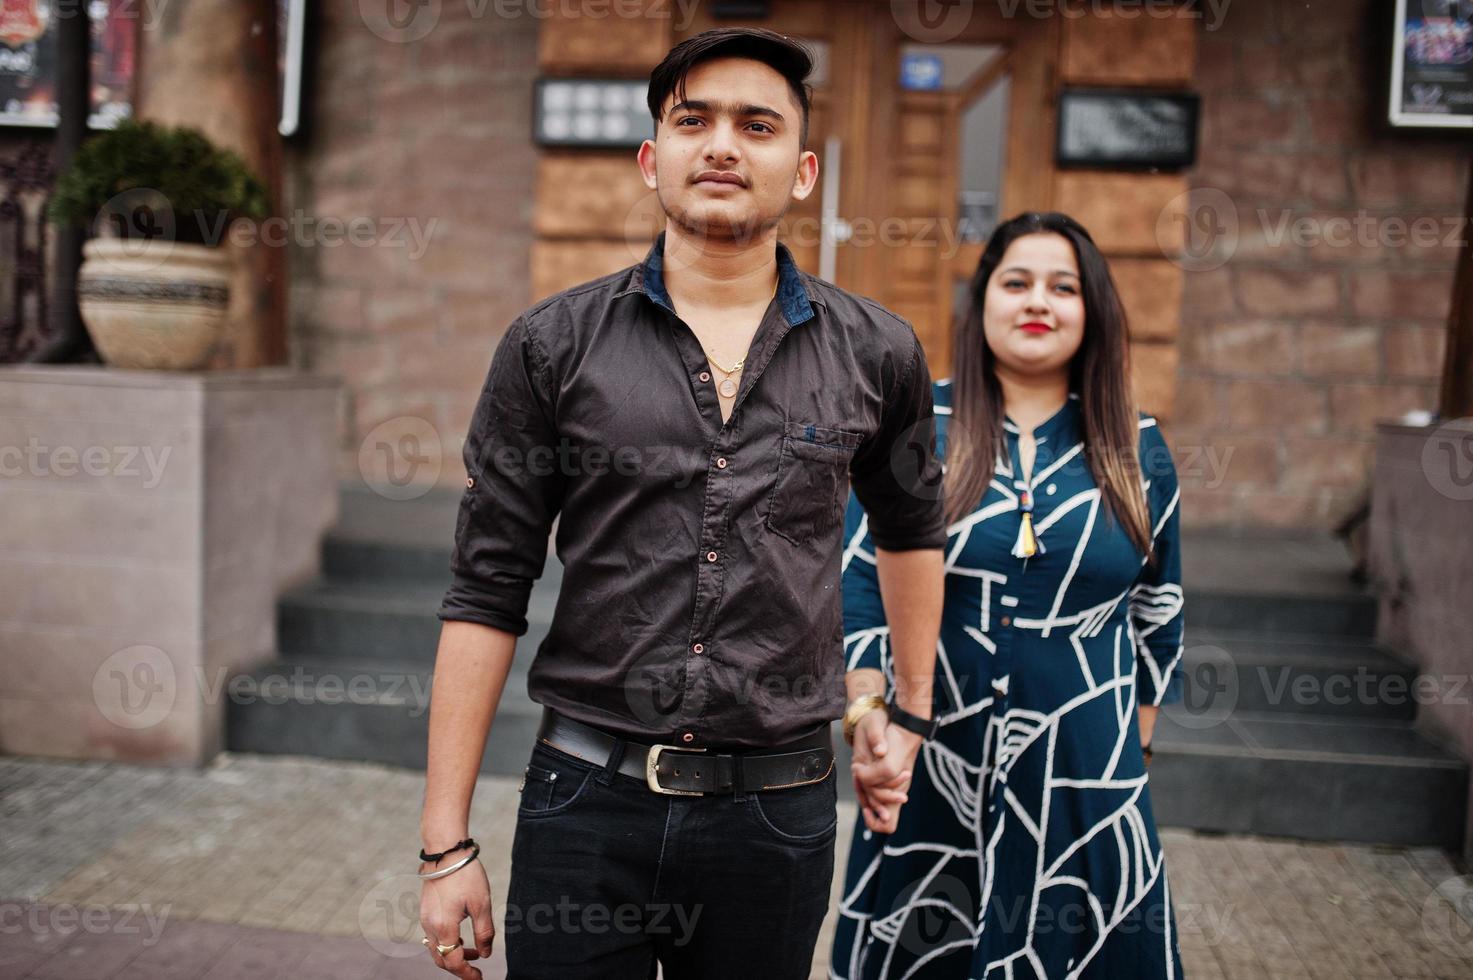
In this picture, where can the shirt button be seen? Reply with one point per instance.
(687, 737)
(705, 375)
(710, 556)
(699, 648)
(1007, 620)
(721, 463)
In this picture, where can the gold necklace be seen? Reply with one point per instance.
(727, 387)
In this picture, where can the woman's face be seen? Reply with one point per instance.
(1033, 311)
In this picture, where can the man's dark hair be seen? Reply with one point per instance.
(782, 54)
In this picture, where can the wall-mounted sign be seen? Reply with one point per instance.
(609, 112)
(920, 72)
(1127, 129)
(1432, 64)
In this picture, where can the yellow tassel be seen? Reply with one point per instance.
(1027, 541)
(1027, 544)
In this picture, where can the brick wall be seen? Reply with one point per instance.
(432, 133)
(1307, 333)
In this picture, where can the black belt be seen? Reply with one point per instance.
(678, 771)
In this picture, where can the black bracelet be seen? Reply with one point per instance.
(468, 842)
(1146, 754)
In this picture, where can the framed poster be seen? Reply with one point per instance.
(28, 60)
(1432, 64)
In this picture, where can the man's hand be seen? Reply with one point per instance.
(884, 761)
(444, 902)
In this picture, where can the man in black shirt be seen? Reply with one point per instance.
(694, 423)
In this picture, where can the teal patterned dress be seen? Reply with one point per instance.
(1028, 848)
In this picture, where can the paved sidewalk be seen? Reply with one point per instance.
(280, 867)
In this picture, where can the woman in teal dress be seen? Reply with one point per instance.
(1027, 847)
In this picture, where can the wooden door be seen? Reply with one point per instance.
(900, 161)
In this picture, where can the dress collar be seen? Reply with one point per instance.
(1064, 420)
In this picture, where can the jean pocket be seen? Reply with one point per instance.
(553, 782)
(799, 814)
(810, 489)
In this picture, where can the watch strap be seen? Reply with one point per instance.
(926, 728)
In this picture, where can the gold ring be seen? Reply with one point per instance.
(442, 950)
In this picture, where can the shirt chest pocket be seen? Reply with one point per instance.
(810, 491)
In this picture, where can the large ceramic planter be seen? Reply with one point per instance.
(153, 304)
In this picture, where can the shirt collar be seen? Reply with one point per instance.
(792, 296)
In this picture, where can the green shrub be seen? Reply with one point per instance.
(151, 181)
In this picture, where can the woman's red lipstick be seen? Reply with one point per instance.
(1036, 327)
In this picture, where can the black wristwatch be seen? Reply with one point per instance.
(924, 727)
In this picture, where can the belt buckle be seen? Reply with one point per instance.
(652, 777)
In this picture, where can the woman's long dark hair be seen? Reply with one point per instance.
(1099, 372)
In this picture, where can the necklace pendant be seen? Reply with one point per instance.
(727, 388)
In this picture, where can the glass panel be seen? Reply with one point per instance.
(983, 140)
(819, 77)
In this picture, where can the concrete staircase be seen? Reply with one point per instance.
(1295, 722)
(1276, 735)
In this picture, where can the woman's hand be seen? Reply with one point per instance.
(1148, 714)
(879, 786)
(444, 902)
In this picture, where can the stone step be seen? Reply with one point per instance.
(1247, 670)
(1314, 778)
(1351, 614)
(381, 620)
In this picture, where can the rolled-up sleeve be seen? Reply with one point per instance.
(896, 473)
(514, 489)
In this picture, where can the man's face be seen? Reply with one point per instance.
(726, 162)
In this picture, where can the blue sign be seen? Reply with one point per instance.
(920, 72)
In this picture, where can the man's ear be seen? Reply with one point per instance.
(646, 158)
(807, 176)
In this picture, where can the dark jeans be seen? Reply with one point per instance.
(607, 876)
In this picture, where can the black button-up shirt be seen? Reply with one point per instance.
(700, 603)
